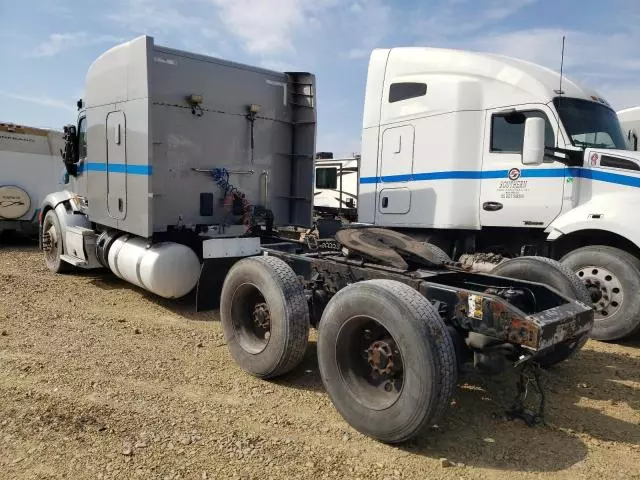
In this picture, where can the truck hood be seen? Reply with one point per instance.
(615, 159)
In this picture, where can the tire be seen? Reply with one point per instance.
(623, 269)
(420, 346)
(51, 225)
(439, 255)
(554, 274)
(263, 347)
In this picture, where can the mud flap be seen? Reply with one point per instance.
(212, 275)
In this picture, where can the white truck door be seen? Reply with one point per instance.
(116, 165)
(512, 194)
(393, 198)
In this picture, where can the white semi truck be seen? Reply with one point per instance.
(182, 168)
(29, 170)
(491, 157)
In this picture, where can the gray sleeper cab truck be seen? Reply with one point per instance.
(183, 171)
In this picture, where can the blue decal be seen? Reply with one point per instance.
(605, 177)
(115, 168)
(527, 173)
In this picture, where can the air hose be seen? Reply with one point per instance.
(221, 177)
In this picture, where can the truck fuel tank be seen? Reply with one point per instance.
(168, 269)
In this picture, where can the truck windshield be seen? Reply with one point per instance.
(590, 124)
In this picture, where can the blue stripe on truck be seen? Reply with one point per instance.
(115, 168)
(464, 175)
(608, 177)
(525, 173)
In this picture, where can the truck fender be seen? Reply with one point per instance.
(52, 200)
(604, 212)
(67, 210)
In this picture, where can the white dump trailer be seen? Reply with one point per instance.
(29, 170)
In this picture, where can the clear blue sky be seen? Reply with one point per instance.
(47, 45)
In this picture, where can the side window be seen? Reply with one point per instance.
(405, 90)
(82, 138)
(327, 178)
(507, 131)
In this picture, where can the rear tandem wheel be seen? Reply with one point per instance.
(265, 316)
(386, 359)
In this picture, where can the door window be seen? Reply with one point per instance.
(507, 131)
(82, 138)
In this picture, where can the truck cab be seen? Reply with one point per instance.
(174, 154)
(482, 153)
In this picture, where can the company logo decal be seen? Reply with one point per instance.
(514, 174)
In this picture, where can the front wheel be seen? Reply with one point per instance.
(52, 243)
(386, 359)
(612, 277)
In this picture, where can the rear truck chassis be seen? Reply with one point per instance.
(392, 340)
(396, 318)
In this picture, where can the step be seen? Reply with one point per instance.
(75, 261)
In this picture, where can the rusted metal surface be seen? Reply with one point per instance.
(480, 262)
(522, 313)
(380, 357)
(577, 321)
(524, 332)
(494, 318)
(387, 246)
(261, 316)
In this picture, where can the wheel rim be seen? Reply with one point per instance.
(251, 318)
(605, 290)
(370, 362)
(51, 245)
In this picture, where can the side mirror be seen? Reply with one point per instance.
(70, 152)
(632, 140)
(533, 143)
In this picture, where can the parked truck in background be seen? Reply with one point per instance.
(183, 167)
(630, 122)
(336, 186)
(29, 170)
(491, 157)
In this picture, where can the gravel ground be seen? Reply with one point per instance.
(99, 379)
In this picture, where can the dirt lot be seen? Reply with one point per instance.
(99, 379)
